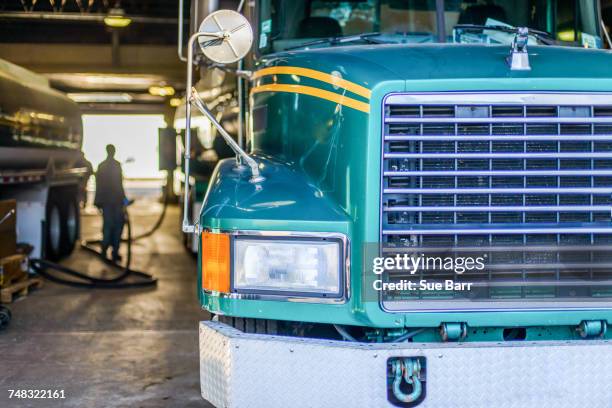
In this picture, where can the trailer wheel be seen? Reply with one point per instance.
(71, 225)
(53, 227)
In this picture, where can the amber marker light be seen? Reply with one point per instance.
(215, 258)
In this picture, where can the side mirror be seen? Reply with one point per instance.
(225, 37)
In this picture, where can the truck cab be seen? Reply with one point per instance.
(432, 211)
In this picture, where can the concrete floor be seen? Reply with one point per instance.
(111, 348)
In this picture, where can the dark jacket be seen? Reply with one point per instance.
(109, 184)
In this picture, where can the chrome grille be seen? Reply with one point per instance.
(524, 178)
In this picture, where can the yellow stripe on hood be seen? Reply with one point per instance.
(316, 92)
(318, 75)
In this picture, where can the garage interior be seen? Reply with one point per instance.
(110, 348)
(113, 348)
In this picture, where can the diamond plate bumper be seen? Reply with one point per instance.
(254, 370)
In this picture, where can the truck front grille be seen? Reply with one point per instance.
(523, 179)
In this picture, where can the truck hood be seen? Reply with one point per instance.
(373, 64)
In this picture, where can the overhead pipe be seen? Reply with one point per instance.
(93, 18)
(180, 31)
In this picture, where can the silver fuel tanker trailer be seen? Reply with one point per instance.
(41, 163)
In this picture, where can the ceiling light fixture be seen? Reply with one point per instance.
(100, 97)
(116, 18)
(161, 90)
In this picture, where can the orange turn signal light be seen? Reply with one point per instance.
(215, 258)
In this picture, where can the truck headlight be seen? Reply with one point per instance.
(291, 266)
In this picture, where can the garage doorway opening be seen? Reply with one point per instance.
(136, 140)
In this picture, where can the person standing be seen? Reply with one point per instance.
(110, 198)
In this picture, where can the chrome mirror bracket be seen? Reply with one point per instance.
(256, 176)
(193, 98)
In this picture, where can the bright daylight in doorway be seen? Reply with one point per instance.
(134, 136)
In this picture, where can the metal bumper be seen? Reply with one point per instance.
(254, 370)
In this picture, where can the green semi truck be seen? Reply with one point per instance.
(420, 213)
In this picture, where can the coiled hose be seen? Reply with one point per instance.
(5, 317)
(43, 267)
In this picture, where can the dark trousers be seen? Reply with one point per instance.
(112, 228)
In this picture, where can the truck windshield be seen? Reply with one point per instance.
(297, 24)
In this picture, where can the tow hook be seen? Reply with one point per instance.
(592, 328)
(408, 369)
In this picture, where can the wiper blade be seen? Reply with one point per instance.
(367, 37)
(543, 36)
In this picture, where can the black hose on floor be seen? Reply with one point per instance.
(42, 266)
(5, 317)
(87, 244)
(158, 223)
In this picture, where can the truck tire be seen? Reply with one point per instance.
(71, 223)
(54, 224)
(249, 325)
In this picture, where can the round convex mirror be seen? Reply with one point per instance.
(229, 38)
